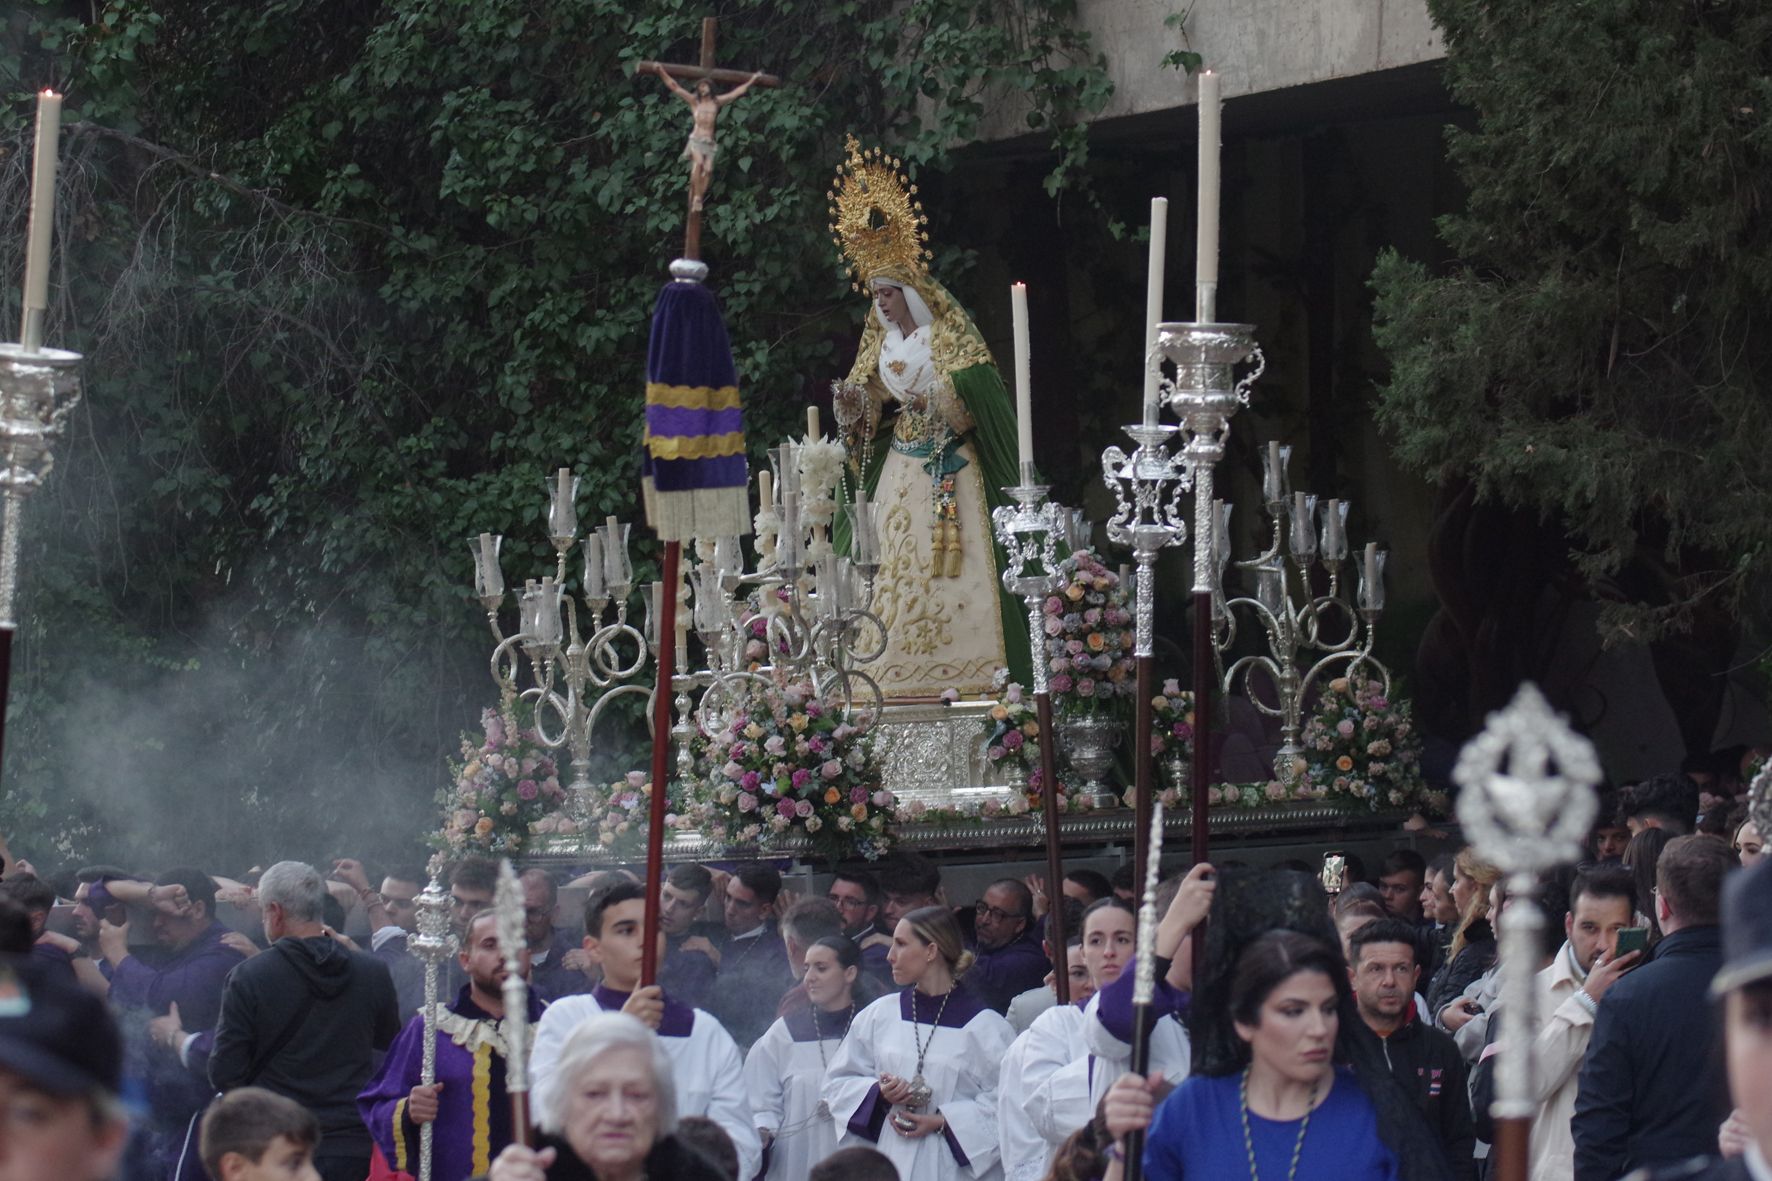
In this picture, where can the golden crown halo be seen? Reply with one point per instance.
(876, 219)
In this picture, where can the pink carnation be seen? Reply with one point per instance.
(528, 789)
(785, 809)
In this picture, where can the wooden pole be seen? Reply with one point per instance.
(1055, 932)
(6, 632)
(1204, 666)
(661, 761)
(1509, 1157)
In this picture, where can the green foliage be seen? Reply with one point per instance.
(1598, 346)
(350, 277)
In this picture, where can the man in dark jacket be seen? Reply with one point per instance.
(1651, 1085)
(305, 1018)
(1384, 970)
(1010, 958)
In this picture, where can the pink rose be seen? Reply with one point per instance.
(831, 768)
(747, 802)
(802, 808)
(1171, 687)
(527, 789)
(1013, 694)
(1054, 626)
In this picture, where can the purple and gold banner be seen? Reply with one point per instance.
(696, 477)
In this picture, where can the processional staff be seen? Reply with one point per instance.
(1144, 981)
(507, 900)
(434, 943)
(696, 481)
(1527, 804)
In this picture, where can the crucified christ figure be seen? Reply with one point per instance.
(699, 151)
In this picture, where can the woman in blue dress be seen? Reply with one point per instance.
(1285, 1087)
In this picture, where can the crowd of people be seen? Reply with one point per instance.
(184, 1024)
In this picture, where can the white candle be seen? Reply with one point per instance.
(594, 566)
(42, 222)
(812, 431)
(682, 621)
(1371, 567)
(765, 490)
(1153, 302)
(494, 577)
(1274, 478)
(614, 529)
(655, 624)
(1206, 242)
(1024, 408)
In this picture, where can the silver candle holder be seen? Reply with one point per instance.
(433, 944)
(572, 676)
(38, 390)
(1298, 627)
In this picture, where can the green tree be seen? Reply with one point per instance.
(350, 277)
(1594, 354)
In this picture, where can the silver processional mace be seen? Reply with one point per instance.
(433, 944)
(1527, 805)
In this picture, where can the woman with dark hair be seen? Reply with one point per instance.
(1277, 1038)
(784, 1072)
(917, 1075)
(1641, 857)
(1286, 1000)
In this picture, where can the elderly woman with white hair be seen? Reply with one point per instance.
(612, 1114)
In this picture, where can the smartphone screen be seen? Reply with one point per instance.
(1631, 939)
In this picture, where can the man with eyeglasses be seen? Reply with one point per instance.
(551, 976)
(1010, 959)
(393, 918)
(856, 896)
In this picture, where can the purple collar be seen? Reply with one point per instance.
(677, 1021)
(961, 1007)
(830, 1025)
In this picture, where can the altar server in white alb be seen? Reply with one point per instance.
(784, 1072)
(917, 1075)
(1024, 1150)
(704, 1059)
(1048, 1075)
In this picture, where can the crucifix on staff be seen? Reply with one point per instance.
(706, 105)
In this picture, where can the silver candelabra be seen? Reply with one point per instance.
(1307, 634)
(433, 944)
(572, 676)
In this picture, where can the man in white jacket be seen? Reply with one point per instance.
(1602, 902)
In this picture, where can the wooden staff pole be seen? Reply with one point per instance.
(1143, 766)
(661, 760)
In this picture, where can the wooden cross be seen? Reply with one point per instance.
(700, 150)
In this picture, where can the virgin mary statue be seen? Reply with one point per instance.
(931, 438)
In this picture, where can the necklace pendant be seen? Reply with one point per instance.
(921, 1093)
(824, 1109)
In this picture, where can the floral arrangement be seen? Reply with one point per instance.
(620, 814)
(1014, 742)
(1089, 638)
(1172, 719)
(501, 789)
(1361, 749)
(787, 761)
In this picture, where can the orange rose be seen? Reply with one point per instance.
(859, 811)
(832, 795)
(1096, 642)
(1344, 764)
(999, 713)
(1031, 729)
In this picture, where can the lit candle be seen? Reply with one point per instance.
(42, 221)
(1206, 241)
(1024, 407)
(812, 431)
(1153, 302)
